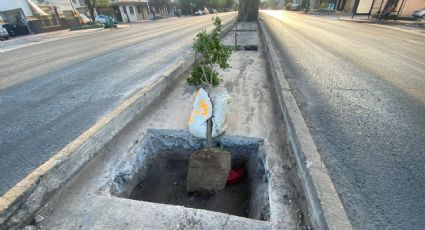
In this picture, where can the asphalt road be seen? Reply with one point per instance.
(52, 92)
(361, 89)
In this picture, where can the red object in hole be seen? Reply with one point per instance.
(236, 175)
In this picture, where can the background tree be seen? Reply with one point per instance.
(160, 4)
(103, 3)
(274, 4)
(189, 6)
(91, 4)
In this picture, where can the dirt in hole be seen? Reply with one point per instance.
(165, 182)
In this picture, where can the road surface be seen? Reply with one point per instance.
(361, 89)
(52, 92)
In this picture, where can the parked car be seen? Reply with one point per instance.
(205, 11)
(293, 6)
(419, 13)
(104, 18)
(85, 18)
(3, 33)
(198, 12)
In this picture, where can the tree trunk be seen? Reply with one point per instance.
(209, 122)
(90, 6)
(209, 133)
(248, 10)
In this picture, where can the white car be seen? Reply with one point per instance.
(102, 19)
(419, 13)
(3, 33)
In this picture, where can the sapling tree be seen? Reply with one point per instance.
(210, 54)
(208, 168)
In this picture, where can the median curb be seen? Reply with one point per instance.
(21, 202)
(324, 206)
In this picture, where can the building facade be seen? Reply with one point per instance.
(131, 10)
(404, 8)
(21, 17)
(80, 6)
(12, 9)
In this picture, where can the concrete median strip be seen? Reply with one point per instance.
(22, 201)
(325, 207)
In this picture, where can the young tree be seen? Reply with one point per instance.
(210, 53)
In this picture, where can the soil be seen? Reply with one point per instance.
(208, 170)
(165, 182)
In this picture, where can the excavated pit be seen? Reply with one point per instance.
(157, 173)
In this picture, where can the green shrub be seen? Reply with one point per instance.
(210, 53)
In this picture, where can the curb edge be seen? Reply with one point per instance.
(325, 207)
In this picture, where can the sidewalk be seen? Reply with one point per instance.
(416, 27)
(33, 39)
(365, 19)
(347, 16)
(413, 27)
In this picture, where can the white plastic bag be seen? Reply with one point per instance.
(220, 100)
(202, 111)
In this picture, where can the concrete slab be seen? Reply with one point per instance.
(246, 35)
(246, 26)
(82, 203)
(107, 212)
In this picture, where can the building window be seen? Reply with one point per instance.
(139, 9)
(131, 9)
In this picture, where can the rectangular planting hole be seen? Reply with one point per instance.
(157, 173)
(244, 48)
